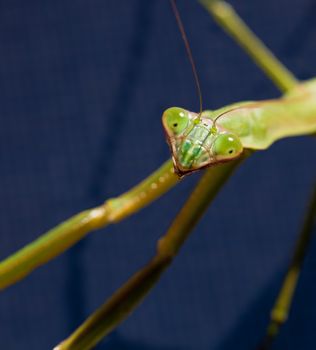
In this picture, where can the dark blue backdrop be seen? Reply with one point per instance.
(83, 86)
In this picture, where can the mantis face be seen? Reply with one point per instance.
(195, 143)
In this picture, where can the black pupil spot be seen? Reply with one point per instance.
(230, 151)
(175, 125)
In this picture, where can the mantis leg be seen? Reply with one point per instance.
(119, 306)
(281, 308)
(69, 232)
(229, 20)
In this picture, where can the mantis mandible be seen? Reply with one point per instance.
(236, 119)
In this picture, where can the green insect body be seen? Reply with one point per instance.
(219, 136)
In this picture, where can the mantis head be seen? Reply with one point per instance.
(195, 142)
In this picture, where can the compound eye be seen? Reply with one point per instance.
(227, 146)
(175, 120)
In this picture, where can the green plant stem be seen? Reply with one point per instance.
(229, 20)
(66, 234)
(119, 306)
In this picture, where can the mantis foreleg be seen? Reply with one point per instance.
(69, 232)
(118, 307)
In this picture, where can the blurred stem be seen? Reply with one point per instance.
(284, 300)
(229, 20)
(118, 307)
(69, 232)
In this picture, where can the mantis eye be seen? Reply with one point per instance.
(175, 120)
(227, 146)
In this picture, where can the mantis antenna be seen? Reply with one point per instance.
(221, 115)
(189, 52)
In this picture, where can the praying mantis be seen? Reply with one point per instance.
(164, 179)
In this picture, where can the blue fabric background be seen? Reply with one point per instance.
(83, 86)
